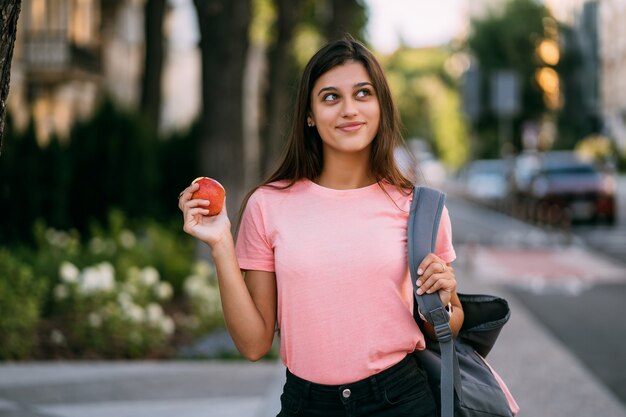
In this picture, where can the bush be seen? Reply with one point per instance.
(20, 300)
(130, 291)
(98, 313)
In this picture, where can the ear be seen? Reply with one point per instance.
(309, 121)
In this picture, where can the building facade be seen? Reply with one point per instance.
(67, 52)
(612, 15)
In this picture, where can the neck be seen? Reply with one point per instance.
(346, 173)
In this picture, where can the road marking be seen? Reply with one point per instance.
(569, 269)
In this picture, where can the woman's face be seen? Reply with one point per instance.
(345, 109)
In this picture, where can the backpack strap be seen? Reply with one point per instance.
(426, 209)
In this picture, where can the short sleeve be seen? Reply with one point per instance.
(444, 248)
(253, 248)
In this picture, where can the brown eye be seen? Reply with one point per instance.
(330, 97)
(363, 93)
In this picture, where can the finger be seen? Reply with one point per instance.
(438, 283)
(196, 203)
(428, 259)
(224, 212)
(429, 284)
(436, 268)
(198, 211)
(431, 265)
(185, 195)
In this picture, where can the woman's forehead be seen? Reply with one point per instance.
(346, 75)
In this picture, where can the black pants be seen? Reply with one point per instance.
(401, 390)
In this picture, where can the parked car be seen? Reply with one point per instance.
(485, 180)
(567, 188)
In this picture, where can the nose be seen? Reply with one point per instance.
(349, 108)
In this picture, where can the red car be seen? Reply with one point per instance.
(569, 189)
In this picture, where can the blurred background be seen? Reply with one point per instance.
(516, 108)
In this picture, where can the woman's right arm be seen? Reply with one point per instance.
(249, 303)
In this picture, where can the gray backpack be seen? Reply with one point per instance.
(460, 379)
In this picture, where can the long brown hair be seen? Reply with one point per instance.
(303, 154)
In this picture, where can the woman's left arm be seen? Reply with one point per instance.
(437, 276)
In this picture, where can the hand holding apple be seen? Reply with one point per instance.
(211, 190)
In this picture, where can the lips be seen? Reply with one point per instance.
(350, 126)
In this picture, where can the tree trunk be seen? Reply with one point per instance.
(223, 42)
(154, 12)
(345, 16)
(280, 84)
(9, 13)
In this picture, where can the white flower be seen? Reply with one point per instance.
(124, 299)
(164, 291)
(205, 297)
(154, 312)
(167, 325)
(94, 319)
(68, 272)
(61, 292)
(127, 239)
(99, 278)
(107, 272)
(193, 284)
(134, 312)
(203, 269)
(149, 276)
(56, 337)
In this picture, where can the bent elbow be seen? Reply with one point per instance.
(254, 356)
(255, 353)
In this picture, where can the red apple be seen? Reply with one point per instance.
(210, 190)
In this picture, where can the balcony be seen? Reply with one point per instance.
(52, 56)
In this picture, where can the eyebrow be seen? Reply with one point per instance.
(357, 85)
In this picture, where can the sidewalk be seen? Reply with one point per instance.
(544, 377)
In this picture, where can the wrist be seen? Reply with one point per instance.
(222, 246)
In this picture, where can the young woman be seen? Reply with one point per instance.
(322, 252)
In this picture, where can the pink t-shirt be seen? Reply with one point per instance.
(344, 292)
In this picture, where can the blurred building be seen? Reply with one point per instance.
(612, 15)
(67, 53)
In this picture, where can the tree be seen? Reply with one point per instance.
(509, 40)
(154, 11)
(10, 11)
(345, 16)
(281, 69)
(223, 43)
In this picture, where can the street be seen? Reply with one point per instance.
(576, 295)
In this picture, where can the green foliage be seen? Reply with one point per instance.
(428, 101)
(21, 296)
(131, 290)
